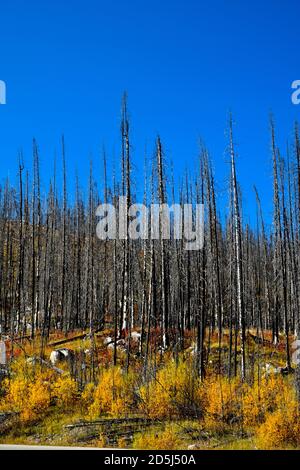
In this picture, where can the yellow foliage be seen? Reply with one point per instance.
(65, 391)
(114, 394)
(268, 408)
(263, 397)
(174, 392)
(224, 400)
(39, 399)
(102, 441)
(281, 428)
(31, 399)
(16, 394)
(164, 440)
(231, 401)
(122, 443)
(31, 389)
(87, 396)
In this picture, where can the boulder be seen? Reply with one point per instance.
(60, 355)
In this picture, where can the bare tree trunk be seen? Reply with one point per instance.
(238, 254)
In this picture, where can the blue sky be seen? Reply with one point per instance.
(184, 64)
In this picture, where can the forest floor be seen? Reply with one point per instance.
(40, 406)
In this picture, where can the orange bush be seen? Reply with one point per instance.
(281, 428)
(160, 440)
(32, 388)
(175, 391)
(263, 397)
(115, 393)
(224, 400)
(65, 391)
(31, 399)
(39, 398)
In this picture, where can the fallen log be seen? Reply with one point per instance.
(67, 340)
(109, 422)
(37, 360)
(7, 415)
(259, 340)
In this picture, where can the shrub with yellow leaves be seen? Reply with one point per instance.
(65, 391)
(87, 396)
(262, 398)
(30, 399)
(32, 388)
(281, 428)
(39, 399)
(160, 440)
(174, 392)
(15, 394)
(115, 393)
(224, 400)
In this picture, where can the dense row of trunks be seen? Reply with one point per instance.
(56, 274)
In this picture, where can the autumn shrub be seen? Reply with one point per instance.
(87, 396)
(281, 428)
(15, 394)
(65, 391)
(39, 399)
(32, 389)
(122, 442)
(224, 400)
(168, 439)
(114, 395)
(232, 401)
(102, 441)
(174, 392)
(30, 398)
(263, 397)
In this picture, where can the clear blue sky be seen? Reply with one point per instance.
(184, 64)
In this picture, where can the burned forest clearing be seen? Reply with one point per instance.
(144, 341)
(84, 400)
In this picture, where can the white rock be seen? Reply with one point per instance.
(107, 340)
(136, 336)
(60, 355)
(270, 369)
